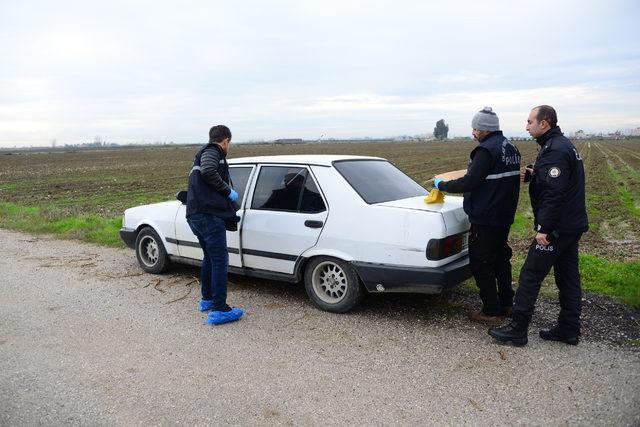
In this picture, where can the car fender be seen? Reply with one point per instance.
(171, 248)
(316, 251)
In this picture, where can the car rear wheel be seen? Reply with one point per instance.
(150, 251)
(332, 285)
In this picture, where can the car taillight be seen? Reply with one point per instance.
(442, 248)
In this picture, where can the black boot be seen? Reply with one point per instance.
(515, 331)
(556, 334)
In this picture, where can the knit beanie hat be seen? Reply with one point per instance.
(485, 119)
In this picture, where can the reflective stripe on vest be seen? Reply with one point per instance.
(503, 175)
(195, 168)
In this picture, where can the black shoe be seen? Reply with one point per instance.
(554, 334)
(514, 331)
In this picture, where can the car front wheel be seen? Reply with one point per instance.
(332, 285)
(150, 251)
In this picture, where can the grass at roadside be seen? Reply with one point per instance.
(620, 280)
(520, 224)
(89, 227)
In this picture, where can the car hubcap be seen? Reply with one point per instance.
(149, 251)
(329, 282)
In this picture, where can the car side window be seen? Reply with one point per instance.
(239, 178)
(288, 189)
(311, 199)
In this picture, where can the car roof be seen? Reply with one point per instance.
(306, 159)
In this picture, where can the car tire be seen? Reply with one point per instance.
(151, 254)
(332, 284)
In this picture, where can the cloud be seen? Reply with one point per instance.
(576, 106)
(162, 71)
(452, 101)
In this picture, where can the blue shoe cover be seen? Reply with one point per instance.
(218, 317)
(206, 304)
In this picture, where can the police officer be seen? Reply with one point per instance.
(491, 188)
(557, 193)
(209, 209)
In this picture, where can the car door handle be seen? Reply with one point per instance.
(313, 224)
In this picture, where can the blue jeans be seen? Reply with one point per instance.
(212, 235)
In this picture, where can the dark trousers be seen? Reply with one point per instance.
(562, 255)
(212, 235)
(489, 258)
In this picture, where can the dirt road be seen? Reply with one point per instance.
(85, 338)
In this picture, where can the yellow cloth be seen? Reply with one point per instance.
(435, 196)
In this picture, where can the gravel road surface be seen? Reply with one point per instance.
(87, 339)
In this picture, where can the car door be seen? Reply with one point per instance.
(286, 214)
(188, 245)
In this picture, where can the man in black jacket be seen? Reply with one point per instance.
(209, 206)
(557, 192)
(491, 187)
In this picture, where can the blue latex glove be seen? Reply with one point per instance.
(233, 196)
(437, 182)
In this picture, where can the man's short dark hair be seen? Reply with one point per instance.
(546, 112)
(218, 133)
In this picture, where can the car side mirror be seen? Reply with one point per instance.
(182, 196)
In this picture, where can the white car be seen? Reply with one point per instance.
(346, 225)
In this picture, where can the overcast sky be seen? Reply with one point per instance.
(146, 71)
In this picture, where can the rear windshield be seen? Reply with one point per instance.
(378, 181)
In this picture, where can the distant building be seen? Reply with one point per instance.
(288, 141)
(580, 134)
(615, 135)
(403, 138)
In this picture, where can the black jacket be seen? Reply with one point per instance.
(557, 188)
(209, 183)
(492, 184)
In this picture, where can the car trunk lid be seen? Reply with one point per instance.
(455, 220)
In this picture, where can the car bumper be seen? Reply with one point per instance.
(391, 278)
(128, 236)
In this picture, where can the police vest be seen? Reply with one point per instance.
(201, 197)
(495, 201)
